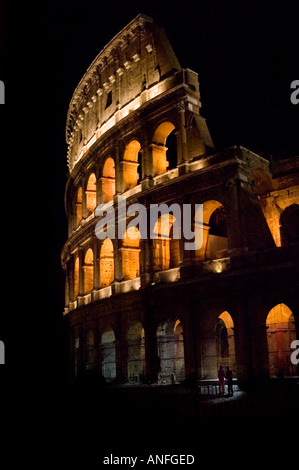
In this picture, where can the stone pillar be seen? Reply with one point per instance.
(84, 207)
(208, 353)
(70, 268)
(118, 171)
(96, 352)
(234, 226)
(190, 350)
(259, 345)
(183, 133)
(146, 252)
(98, 185)
(96, 264)
(243, 347)
(81, 270)
(151, 351)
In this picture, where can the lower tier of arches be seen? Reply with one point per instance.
(164, 334)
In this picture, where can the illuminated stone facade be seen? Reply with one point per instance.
(142, 309)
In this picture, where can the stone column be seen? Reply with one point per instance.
(96, 263)
(81, 271)
(234, 226)
(84, 208)
(208, 353)
(243, 346)
(118, 171)
(190, 350)
(151, 349)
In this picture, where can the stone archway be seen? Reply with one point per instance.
(170, 343)
(225, 341)
(108, 354)
(136, 352)
(280, 334)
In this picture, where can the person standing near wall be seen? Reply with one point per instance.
(221, 377)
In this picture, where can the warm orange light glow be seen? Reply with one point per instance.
(280, 334)
(91, 193)
(108, 180)
(278, 315)
(88, 271)
(76, 277)
(79, 206)
(130, 165)
(160, 163)
(106, 263)
(130, 253)
(166, 249)
(213, 246)
(227, 319)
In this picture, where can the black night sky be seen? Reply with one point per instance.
(246, 55)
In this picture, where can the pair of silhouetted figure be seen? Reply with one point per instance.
(228, 376)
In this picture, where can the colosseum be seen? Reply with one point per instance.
(148, 310)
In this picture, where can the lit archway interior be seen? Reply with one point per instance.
(166, 249)
(215, 241)
(170, 343)
(131, 163)
(108, 354)
(225, 341)
(76, 277)
(280, 334)
(88, 271)
(136, 355)
(130, 254)
(91, 193)
(159, 149)
(108, 180)
(106, 263)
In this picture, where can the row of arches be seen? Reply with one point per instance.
(132, 168)
(166, 250)
(171, 352)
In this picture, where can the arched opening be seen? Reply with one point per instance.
(289, 225)
(108, 180)
(170, 344)
(131, 163)
(225, 341)
(215, 241)
(162, 160)
(106, 263)
(166, 248)
(136, 353)
(108, 354)
(76, 277)
(79, 206)
(90, 350)
(130, 254)
(280, 334)
(88, 271)
(91, 193)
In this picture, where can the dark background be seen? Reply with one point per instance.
(246, 55)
